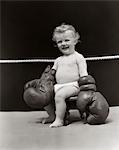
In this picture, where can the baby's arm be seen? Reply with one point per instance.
(82, 65)
(55, 65)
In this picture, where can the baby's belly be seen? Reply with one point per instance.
(66, 76)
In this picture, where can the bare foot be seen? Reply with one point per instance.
(56, 124)
(46, 120)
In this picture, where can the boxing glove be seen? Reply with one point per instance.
(98, 109)
(32, 83)
(40, 92)
(91, 102)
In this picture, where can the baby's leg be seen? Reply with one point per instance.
(60, 110)
(60, 97)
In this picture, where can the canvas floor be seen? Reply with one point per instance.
(22, 131)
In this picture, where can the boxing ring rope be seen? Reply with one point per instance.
(114, 57)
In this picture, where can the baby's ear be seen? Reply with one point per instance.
(54, 44)
(77, 37)
(75, 41)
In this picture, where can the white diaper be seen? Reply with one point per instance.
(59, 86)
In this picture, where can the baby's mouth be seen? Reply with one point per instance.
(65, 47)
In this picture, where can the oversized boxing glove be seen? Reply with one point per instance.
(32, 83)
(39, 93)
(91, 102)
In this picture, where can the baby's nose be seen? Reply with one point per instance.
(63, 43)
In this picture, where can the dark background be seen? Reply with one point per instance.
(26, 33)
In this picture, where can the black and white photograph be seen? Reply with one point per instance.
(59, 75)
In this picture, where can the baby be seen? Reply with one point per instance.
(68, 68)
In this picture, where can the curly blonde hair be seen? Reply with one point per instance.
(63, 28)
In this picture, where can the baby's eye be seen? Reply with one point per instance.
(67, 40)
(58, 42)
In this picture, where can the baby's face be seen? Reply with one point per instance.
(66, 42)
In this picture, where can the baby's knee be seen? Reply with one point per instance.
(59, 98)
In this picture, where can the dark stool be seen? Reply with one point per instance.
(71, 102)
